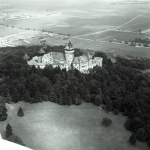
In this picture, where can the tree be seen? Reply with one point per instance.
(70, 101)
(15, 96)
(141, 135)
(20, 112)
(106, 122)
(5, 92)
(116, 111)
(22, 89)
(87, 98)
(132, 139)
(37, 97)
(33, 89)
(44, 98)
(53, 97)
(9, 131)
(65, 96)
(98, 99)
(60, 99)
(26, 96)
(3, 112)
(15, 139)
(148, 142)
(108, 103)
(117, 103)
(129, 124)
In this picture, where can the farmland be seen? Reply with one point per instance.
(91, 26)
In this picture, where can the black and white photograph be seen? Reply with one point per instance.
(74, 75)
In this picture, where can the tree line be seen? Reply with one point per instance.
(141, 63)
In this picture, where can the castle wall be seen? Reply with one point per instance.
(98, 61)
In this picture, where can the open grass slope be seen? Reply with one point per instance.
(48, 126)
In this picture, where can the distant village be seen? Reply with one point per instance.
(65, 60)
(138, 42)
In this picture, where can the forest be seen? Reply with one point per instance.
(117, 87)
(138, 63)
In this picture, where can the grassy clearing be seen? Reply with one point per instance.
(48, 126)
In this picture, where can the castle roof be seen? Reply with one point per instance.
(26, 57)
(32, 62)
(76, 60)
(80, 59)
(58, 56)
(41, 51)
(89, 56)
(83, 58)
(98, 58)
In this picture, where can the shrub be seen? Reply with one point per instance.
(132, 139)
(106, 122)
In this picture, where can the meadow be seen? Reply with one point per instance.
(48, 126)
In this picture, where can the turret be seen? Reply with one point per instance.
(26, 57)
(41, 51)
(69, 53)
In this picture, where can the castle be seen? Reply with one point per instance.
(66, 60)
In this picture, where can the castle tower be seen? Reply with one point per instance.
(69, 53)
(90, 64)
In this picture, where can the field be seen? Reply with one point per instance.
(87, 31)
(113, 35)
(141, 22)
(112, 47)
(48, 126)
(91, 25)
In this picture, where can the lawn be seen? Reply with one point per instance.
(49, 126)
